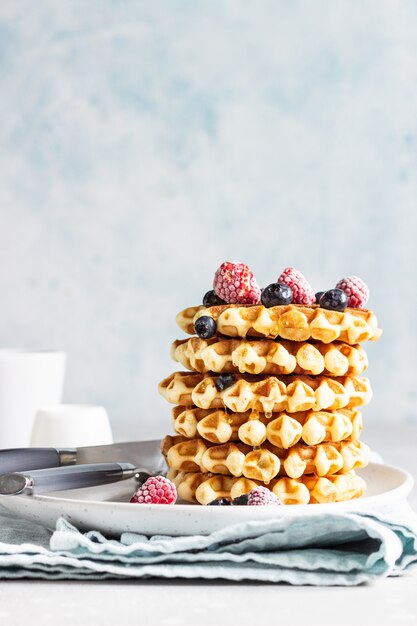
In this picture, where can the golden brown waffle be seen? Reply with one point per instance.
(269, 357)
(267, 393)
(205, 487)
(264, 464)
(253, 428)
(293, 322)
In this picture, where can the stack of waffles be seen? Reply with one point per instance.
(273, 398)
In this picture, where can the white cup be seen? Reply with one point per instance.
(71, 426)
(28, 380)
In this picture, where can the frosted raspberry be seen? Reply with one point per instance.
(235, 284)
(356, 291)
(261, 496)
(156, 490)
(301, 289)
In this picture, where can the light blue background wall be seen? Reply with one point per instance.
(143, 143)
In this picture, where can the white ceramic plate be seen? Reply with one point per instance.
(107, 508)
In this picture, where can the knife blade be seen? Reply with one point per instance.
(139, 453)
(67, 477)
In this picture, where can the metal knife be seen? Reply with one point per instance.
(69, 477)
(139, 453)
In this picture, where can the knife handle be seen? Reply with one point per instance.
(67, 477)
(20, 459)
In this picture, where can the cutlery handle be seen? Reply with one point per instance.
(68, 477)
(20, 459)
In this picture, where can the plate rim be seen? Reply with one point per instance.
(403, 490)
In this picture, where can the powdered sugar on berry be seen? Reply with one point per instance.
(301, 288)
(261, 496)
(156, 490)
(355, 289)
(235, 284)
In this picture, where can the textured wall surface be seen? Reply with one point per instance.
(144, 143)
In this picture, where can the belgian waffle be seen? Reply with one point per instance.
(264, 464)
(253, 428)
(269, 357)
(293, 322)
(267, 393)
(205, 487)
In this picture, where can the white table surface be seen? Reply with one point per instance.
(389, 601)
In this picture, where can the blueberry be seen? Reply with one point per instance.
(334, 300)
(212, 299)
(241, 500)
(205, 327)
(224, 381)
(318, 296)
(220, 502)
(276, 294)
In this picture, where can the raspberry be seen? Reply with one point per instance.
(155, 490)
(261, 496)
(301, 289)
(355, 289)
(235, 284)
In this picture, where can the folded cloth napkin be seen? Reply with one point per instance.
(309, 549)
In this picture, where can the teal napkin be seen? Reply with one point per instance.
(310, 549)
